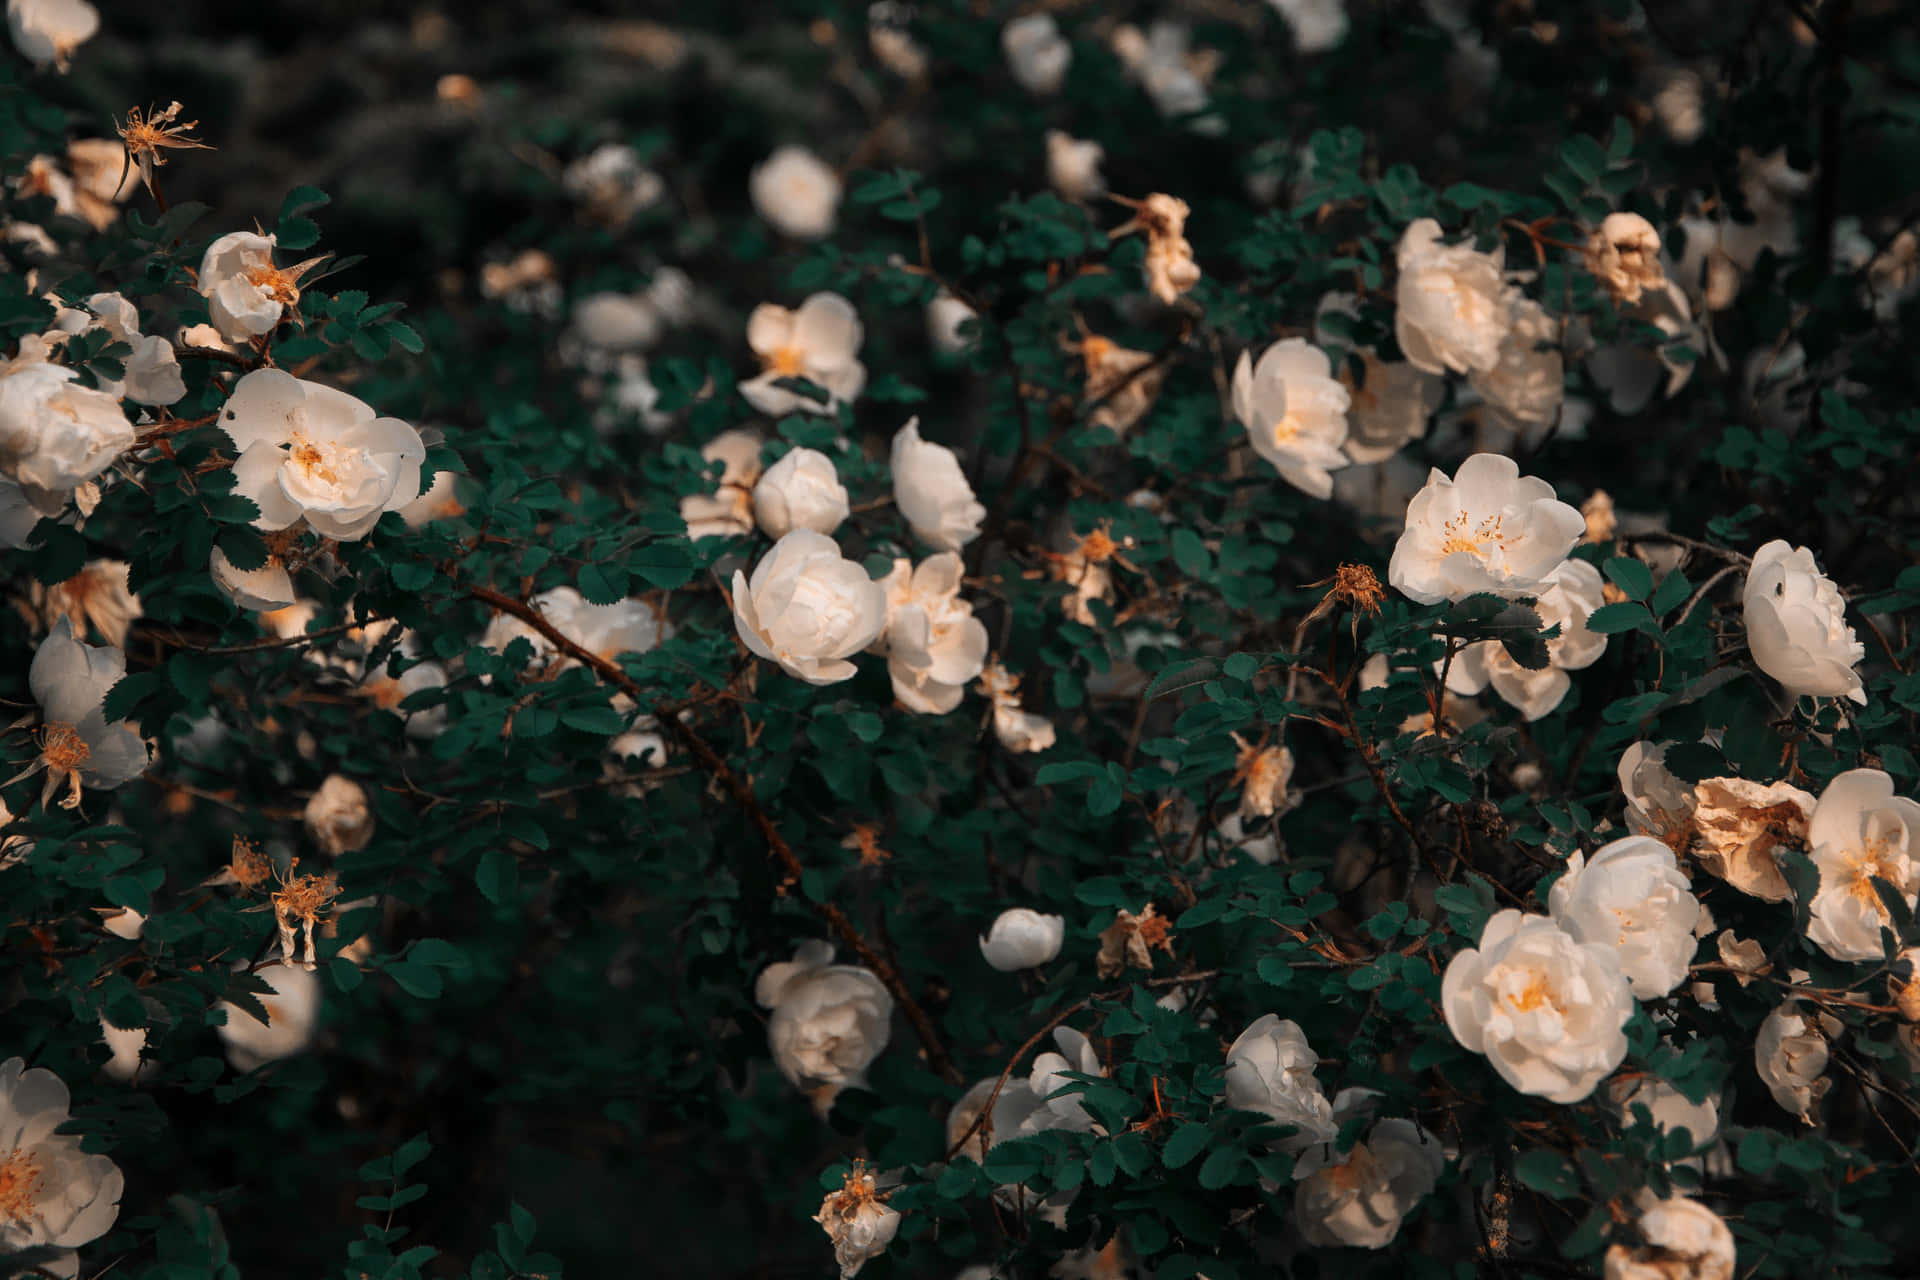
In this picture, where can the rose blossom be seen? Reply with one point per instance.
(55, 1194)
(1487, 529)
(1073, 166)
(97, 596)
(808, 608)
(1796, 625)
(1451, 303)
(801, 491)
(246, 294)
(70, 680)
(1037, 54)
(1017, 729)
(796, 192)
(1527, 383)
(818, 341)
(1738, 824)
(1295, 413)
(830, 1021)
(1630, 370)
(46, 32)
(1570, 595)
(1860, 831)
(56, 435)
(1685, 1240)
(310, 452)
(293, 1013)
(151, 369)
(1361, 1200)
(934, 644)
(859, 1224)
(932, 492)
(1388, 409)
(1547, 1010)
(1791, 1056)
(338, 816)
(1270, 1070)
(1658, 804)
(1022, 938)
(728, 511)
(1670, 1109)
(1631, 896)
(1059, 1110)
(1317, 25)
(266, 587)
(1624, 256)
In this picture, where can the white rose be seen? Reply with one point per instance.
(1270, 1070)
(1063, 1111)
(830, 1021)
(616, 322)
(1548, 1011)
(57, 1195)
(1073, 166)
(727, 512)
(1037, 54)
(801, 491)
(152, 369)
(266, 587)
(819, 341)
(96, 597)
(934, 644)
(1295, 413)
(1568, 598)
(70, 680)
(1021, 938)
(1791, 1056)
(1451, 303)
(1624, 256)
(1861, 831)
(1487, 529)
(48, 31)
(1632, 897)
(246, 294)
(1264, 773)
(860, 1226)
(1361, 1201)
(604, 630)
(945, 315)
(1631, 371)
(1010, 1110)
(932, 492)
(808, 608)
(310, 452)
(55, 435)
(126, 1046)
(1685, 1240)
(796, 192)
(1658, 803)
(1796, 625)
(1670, 1109)
(1737, 826)
(338, 816)
(1017, 729)
(1528, 382)
(1317, 25)
(293, 1013)
(1390, 408)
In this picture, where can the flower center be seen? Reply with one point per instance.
(1533, 995)
(788, 362)
(21, 1180)
(1475, 543)
(62, 747)
(1287, 429)
(316, 461)
(1877, 857)
(275, 283)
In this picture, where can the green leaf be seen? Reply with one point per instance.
(1222, 1165)
(418, 980)
(1548, 1173)
(1185, 674)
(1630, 575)
(1186, 1142)
(601, 720)
(498, 877)
(1611, 619)
(603, 584)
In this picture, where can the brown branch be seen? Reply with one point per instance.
(669, 720)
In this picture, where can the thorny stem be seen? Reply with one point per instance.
(669, 720)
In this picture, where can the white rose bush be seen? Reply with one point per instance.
(1037, 642)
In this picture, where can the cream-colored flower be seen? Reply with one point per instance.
(819, 341)
(1317, 25)
(1129, 942)
(931, 491)
(1073, 166)
(246, 294)
(1452, 302)
(1295, 413)
(293, 1015)
(1122, 383)
(1797, 627)
(607, 325)
(1548, 1011)
(945, 315)
(52, 1194)
(1624, 256)
(728, 511)
(151, 369)
(1861, 831)
(338, 815)
(1685, 1240)
(1631, 371)
(1270, 1069)
(830, 1021)
(46, 32)
(1022, 938)
(1390, 408)
(1059, 1110)
(1018, 730)
(808, 608)
(56, 435)
(1362, 1200)
(1169, 268)
(1658, 803)
(70, 680)
(1264, 773)
(309, 452)
(796, 192)
(1037, 54)
(97, 596)
(126, 1047)
(1790, 1053)
(801, 491)
(613, 183)
(1670, 1109)
(1567, 599)
(934, 644)
(1633, 898)
(1487, 529)
(860, 1225)
(266, 587)
(1738, 824)
(1745, 956)
(1527, 383)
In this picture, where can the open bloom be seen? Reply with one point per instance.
(1317, 25)
(1861, 831)
(1548, 1011)
(1790, 1054)
(1361, 1200)
(728, 511)
(808, 608)
(829, 1020)
(1037, 54)
(246, 294)
(796, 192)
(46, 32)
(819, 341)
(1633, 897)
(1059, 1110)
(1631, 371)
(1295, 413)
(293, 1014)
(1073, 166)
(1669, 1109)
(1527, 383)
(70, 680)
(338, 816)
(266, 586)
(1489, 528)
(310, 452)
(151, 369)
(56, 435)
(1624, 256)
(1658, 803)
(932, 492)
(1570, 595)
(1389, 408)
(1685, 1240)
(1737, 826)
(52, 1194)
(96, 597)
(1797, 627)
(801, 491)
(1122, 383)
(1018, 729)
(1021, 938)
(1451, 304)
(1270, 1070)
(934, 644)
(857, 1221)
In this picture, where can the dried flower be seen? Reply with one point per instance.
(145, 137)
(1737, 825)
(1169, 266)
(1122, 383)
(857, 1220)
(301, 901)
(1129, 941)
(1624, 256)
(1602, 524)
